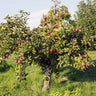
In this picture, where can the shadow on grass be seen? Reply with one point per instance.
(4, 67)
(76, 75)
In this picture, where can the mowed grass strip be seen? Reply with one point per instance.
(68, 79)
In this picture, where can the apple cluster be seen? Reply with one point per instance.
(61, 43)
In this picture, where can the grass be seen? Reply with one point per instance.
(68, 80)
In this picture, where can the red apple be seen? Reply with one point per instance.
(23, 57)
(44, 49)
(84, 70)
(89, 64)
(85, 43)
(34, 38)
(7, 54)
(72, 36)
(47, 79)
(60, 52)
(42, 69)
(74, 55)
(58, 15)
(66, 11)
(54, 50)
(79, 56)
(55, 45)
(56, 38)
(19, 61)
(27, 35)
(85, 56)
(48, 29)
(61, 15)
(51, 50)
(16, 61)
(17, 43)
(3, 57)
(76, 30)
(80, 69)
(57, 26)
(53, 27)
(79, 36)
(54, 41)
(83, 64)
(13, 48)
(70, 52)
(4, 27)
(56, 18)
(56, 35)
(48, 32)
(74, 44)
(22, 54)
(48, 18)
(45, 19)
(22, 72)
(45, 24)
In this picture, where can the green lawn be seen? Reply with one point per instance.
(69, 80)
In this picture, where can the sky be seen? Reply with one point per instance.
(36, 8)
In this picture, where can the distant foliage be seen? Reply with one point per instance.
(86, 20)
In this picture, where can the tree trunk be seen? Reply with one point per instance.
(47, 81)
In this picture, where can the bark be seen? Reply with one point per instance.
(46, 83)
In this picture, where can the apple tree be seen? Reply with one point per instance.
(13, 34)
(59, 44)
(55, 43)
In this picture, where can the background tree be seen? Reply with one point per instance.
(86, 20)
(13, 35)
